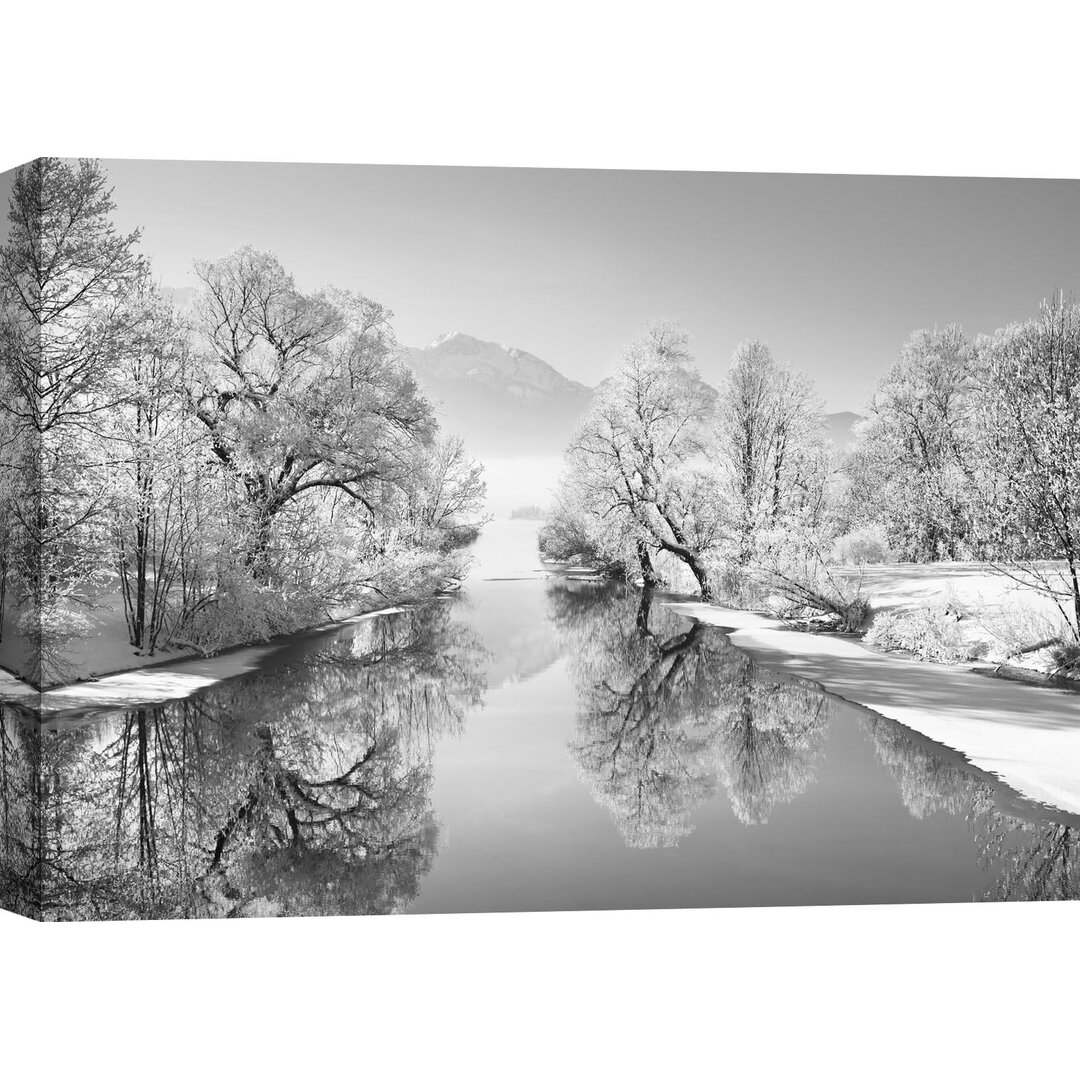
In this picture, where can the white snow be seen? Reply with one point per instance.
(1028, 736)
(973, 587)
(157, 684)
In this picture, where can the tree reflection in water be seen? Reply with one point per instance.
(1029, 857)
(669, 711)
(307, 790)
(300, 791)
(20, 881)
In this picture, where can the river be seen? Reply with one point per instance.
(539, 741)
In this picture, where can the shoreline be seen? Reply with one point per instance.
(1023, 730)
(1025, 734)
(162, 680)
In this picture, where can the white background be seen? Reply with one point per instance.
(913, 88)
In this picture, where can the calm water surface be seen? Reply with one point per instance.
(537, 742)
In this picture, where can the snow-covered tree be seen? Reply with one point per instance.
(66, 279)
(153, 437)
(771, 438)
(301, 392)
(638, 458)
(1029, 435)
(912, 463)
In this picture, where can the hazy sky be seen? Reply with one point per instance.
(833, 272)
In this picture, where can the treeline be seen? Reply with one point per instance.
(530, 512)
(971, 450)
(226, 472)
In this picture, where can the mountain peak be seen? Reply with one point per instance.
(458, 342)
(503, 400)
(455, 355)
(449, 335)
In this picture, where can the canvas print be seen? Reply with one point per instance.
(381, 539)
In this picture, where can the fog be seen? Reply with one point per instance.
(520, 481)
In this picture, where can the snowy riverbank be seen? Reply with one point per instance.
(969, 610)
(1029, 736)
(160, 682)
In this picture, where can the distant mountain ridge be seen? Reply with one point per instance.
(180, 298)
(842, 427)
(456, 355)
(502, 400)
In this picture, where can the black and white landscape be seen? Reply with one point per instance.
(728, 554)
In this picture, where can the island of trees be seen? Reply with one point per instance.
(242, 467)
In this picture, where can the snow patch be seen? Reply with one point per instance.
(1027, 736)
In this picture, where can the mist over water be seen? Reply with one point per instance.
(520, 481)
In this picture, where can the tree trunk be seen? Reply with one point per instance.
(700, 576)
(255, 558)
(648, 571)
(644, 608)
(1073, 564)
(683, 551)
